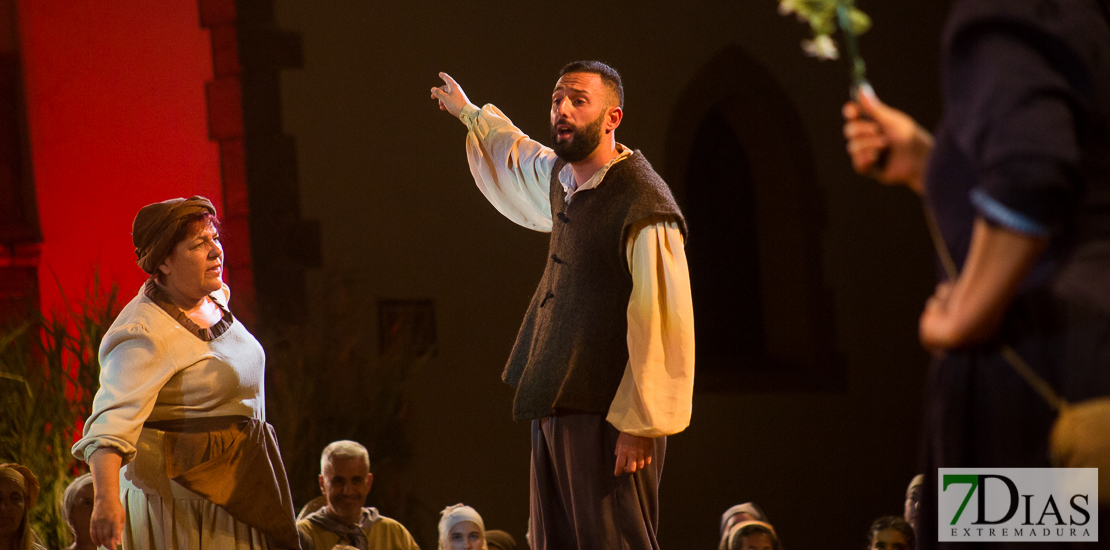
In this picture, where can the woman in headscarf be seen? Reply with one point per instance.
(177, 441)
(461, 528)
(911, 512)
(497, 539)
(77, 505)
(19, 489)
(747, 511)
(752, 535)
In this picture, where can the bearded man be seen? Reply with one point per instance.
(603, 364)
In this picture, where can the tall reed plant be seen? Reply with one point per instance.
(48, 376)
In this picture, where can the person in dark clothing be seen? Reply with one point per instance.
(1018, 177)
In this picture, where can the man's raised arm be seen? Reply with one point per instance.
(512, 170)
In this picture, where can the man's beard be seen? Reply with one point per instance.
(582, 142)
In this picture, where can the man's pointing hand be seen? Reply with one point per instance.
(450, 96)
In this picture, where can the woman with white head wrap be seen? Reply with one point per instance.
(747, 511)
(752, 535)
(461, 528)
(77, 505)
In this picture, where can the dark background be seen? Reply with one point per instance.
(824, 443)
(388, 292)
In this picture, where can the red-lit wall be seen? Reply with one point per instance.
(117, 120)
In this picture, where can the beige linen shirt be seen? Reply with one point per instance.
(383, 533)
(514, 173)
(152, 368)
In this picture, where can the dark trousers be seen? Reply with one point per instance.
(576, 501)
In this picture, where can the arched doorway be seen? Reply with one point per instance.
(740, 163)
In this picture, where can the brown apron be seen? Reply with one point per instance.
(234, 462)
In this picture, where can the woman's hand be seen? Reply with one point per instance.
(106, 523)
(952, 319)
(936, 328)
(873, 130)
(970, 309)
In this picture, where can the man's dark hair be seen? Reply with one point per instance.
(892, 522)
(608, 75)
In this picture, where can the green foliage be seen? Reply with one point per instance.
(861, 22)
(48, 376)
(824, 18)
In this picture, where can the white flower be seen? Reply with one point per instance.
(787, 7)
(821, 47)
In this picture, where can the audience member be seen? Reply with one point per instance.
(345, 481)
(19, 489)
(752, 535)
(497, 539)
(461, 528)
(891, 533)
(77, 506)
(747, 511)
(312, 506)
(913, 501)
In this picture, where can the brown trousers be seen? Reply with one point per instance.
(576, 501)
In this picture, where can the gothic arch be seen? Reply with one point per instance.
(739, 160)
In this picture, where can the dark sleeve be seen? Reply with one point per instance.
(1013, 113)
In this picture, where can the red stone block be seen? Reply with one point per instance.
(217, 12)
(225, 108)
(233, 168)
(225, 50)
(240, 279)
(237, 241)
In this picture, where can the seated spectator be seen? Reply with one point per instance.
(747, 511)
(19, 489)
(891, 533)
(913, 500)
(311, 506)
(752, 535)
(345, 481)
(461, 528)
(497, 539)
(77, 506)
